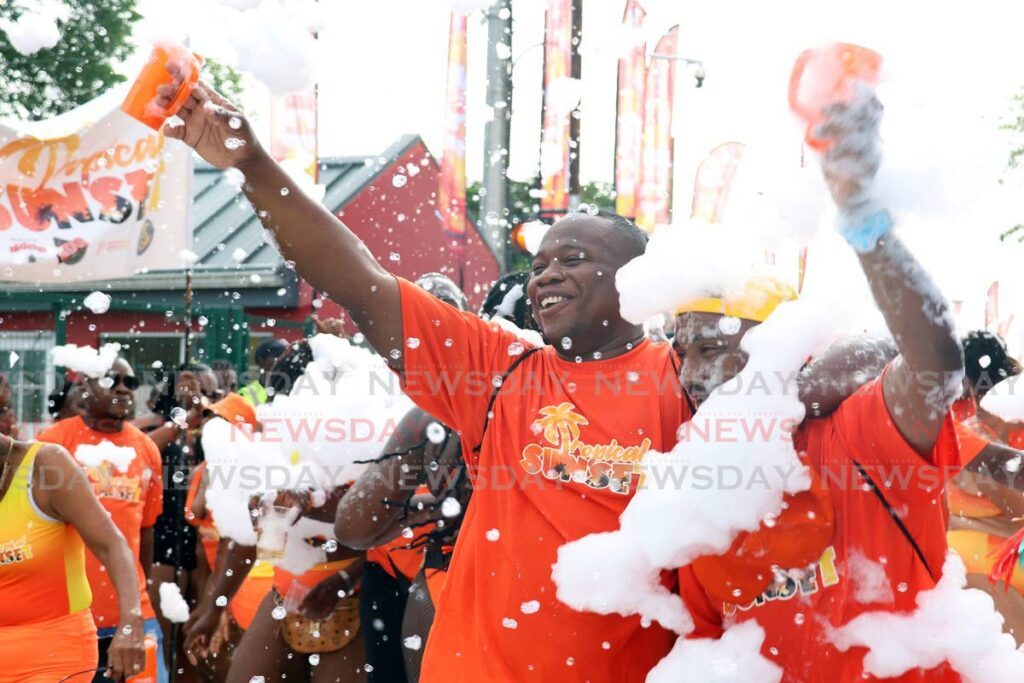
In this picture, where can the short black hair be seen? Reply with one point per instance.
(986, 362)
(194, 367)
(270, 348)
(522, 312)
(55, 401)
(289, 367)
(427, 281)
(637, 236)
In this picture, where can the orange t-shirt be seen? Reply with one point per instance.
(796, 615)
(964, 409)
(556, 463)
(134, 500)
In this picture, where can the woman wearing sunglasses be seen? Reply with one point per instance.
(123, 467)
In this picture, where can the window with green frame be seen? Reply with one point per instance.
(25, 360)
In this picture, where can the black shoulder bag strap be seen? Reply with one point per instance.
(895, 517)
(497, 390)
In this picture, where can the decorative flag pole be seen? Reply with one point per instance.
(452, 183)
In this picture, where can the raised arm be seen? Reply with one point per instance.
(325, 252)
(1000, 465)
(364, 519)
(62, 491)
(925, 379)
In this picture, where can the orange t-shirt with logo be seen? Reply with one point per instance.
(556, 463)
(796, 615)
(133, 498)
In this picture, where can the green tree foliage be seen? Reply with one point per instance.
(1015, 125)
(601, 194)
(95, 37)
(523, 207)
(224, 79)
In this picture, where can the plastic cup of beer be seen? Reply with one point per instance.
(141, 104)
(297, 592)
(275, 521)
(829, 75)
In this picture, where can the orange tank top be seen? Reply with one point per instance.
(209, 537)
(42, 560)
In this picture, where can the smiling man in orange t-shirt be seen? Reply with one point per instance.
(498, 618)
(129, 486)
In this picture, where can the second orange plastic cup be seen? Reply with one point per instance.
(140, 103)
(826, 75)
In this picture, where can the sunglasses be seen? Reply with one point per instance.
(130, 382)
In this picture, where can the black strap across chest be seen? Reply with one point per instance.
(497, 390)
(895, 517)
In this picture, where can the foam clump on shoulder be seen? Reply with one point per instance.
(531, 337)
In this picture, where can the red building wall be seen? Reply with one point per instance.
(403, 228)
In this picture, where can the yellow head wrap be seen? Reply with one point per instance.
(757, 299)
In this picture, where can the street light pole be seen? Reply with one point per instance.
(576, 72)
(494, 204)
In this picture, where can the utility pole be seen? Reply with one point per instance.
(497, 132)
(576, 71)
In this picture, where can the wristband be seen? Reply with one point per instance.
(864, 235)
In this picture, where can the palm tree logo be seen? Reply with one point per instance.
(561, 425)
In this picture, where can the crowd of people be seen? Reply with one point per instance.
(435, 570)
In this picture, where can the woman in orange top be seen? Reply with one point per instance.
(44, 591)
(227, 626)
(321, 598)
(214, 630)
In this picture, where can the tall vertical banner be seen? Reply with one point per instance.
(992, 306)
(91, 195)
(629, 119)
(714, 180)
(293, 130)
(554, 146)
(655, 203)
(452, 191)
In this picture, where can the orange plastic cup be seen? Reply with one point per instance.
(826, 75)
(140, 104)
(149, 673)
